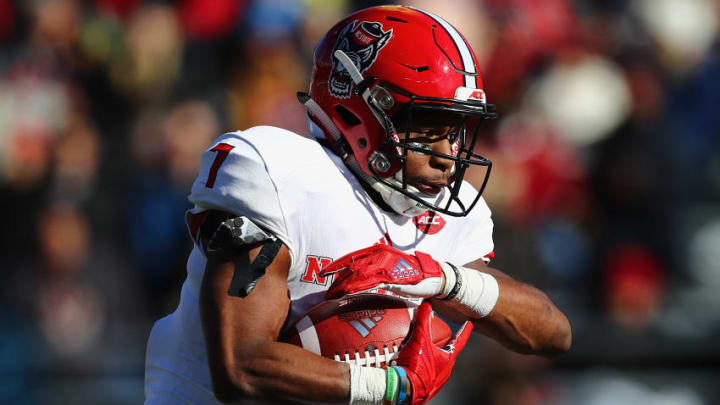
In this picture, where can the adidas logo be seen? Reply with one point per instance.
(363, 321)
(403, 269)
(364, 325)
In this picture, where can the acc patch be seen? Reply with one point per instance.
(361, 42)
(429, 222)
(467, 93)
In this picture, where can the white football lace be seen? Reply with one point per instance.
(376, 360)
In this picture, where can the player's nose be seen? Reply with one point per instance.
(441, 163)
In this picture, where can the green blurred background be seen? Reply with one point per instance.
(605, 187)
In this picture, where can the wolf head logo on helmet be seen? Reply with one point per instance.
(361, 42)
(385, 72)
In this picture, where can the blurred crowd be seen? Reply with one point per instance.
(605, 187)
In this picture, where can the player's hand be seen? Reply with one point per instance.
(428, 367)
(382, 266)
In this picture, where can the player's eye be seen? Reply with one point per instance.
(419, 146)
(454, 135)
(432, 134)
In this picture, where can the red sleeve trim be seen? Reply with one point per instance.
(489, 256)
(194, 221)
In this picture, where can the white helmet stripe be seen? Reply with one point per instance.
(462, 46)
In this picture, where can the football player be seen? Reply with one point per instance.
(395, 101)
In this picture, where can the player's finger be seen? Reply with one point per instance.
(350, 258)
(410, 291)
(335, 267)
(422, 318)
(429, 287)
(340, 264)
(331, 270)
(337, 288)
(349, 282)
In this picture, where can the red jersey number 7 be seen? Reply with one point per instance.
(222, 150)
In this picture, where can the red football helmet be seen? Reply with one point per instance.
(388, 67)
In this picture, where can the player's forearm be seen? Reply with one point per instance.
(517, 315)
(283, 372)
(244, 357)
(525, 320)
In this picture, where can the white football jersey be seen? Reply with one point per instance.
(296, 189)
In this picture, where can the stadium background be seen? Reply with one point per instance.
(605, 187)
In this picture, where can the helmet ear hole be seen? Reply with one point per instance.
(348, 117)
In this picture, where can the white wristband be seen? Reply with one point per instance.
(367, 385)
(478, 293)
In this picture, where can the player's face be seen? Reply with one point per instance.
(429, 173)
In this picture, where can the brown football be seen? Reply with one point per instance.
(364, 329)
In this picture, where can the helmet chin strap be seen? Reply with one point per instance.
(401, 204)
(398, 201)
(405, 205)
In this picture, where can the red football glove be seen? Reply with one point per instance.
(428, 367)
(382, 266)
